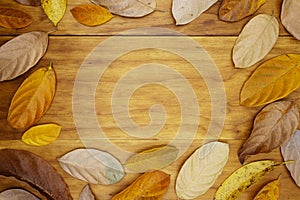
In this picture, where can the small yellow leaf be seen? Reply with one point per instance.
(41, 135)
(54, 9)
(269, 191)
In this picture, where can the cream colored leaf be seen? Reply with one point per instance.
(17, 194)
(86, 194)
(290, 17)
(54, 9)
(93, 166)
(185, 11)
(201, 170)
(255, 41)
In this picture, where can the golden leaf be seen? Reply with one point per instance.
(12, 18)
(54, 9)
(269, 191)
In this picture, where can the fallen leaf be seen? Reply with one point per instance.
(273, 125)
(41, 135)
(255, 41)
(29, 2)
(34, 170)
(54, 9)
(33, 98)
(272, 80)
(86, 194)
(21, 53)
(290, 150)
(90, 14)
(13, 18)
(269, 191)
(93, 166)
(151, 185)
(201, 170)
(156, 158)
(128, 8)
(290, 17)
(185, 11)
(17, 194)
(235, 10)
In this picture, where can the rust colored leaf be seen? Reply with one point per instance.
(29, 2)
(269, 191)
(13, 18)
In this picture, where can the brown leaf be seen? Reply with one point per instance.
(13, 18)
(290, 17)
(235, 10)
(34, 170)
(151, 185)
(273, 125)
(29, 2)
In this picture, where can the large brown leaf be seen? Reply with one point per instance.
(34, 170)
(29, 2)
(273, 125)
(290, 17)
(13, 18)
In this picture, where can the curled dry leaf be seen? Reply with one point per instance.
(151, 185)
(255, 41)
(93, 166)
(29, 2)
(54, 9)
(33, 98)
(273, 125)
(34, 170)
(128, 8)
(185, 11)
(201, 170)
(272, 80)
(235, 10)
(17, 194)
(269, 191)
(13, 18)
(21, 53)
(156, 158)
(290, 17)
(86, 194)
(90, 14)
(290, 150)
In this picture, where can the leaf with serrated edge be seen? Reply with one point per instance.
(17, 194)
(290, 17)
(54, 9)
(13, 18)
(86, 194)
(269, 191)
(201, 170)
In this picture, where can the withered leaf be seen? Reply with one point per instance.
(29, 2)
(290, 17)
(269, 191)
(13, 18)
(86, 194)
(17, 194)
(273, 125)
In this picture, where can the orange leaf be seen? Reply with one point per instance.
(12, 18)
(269, 191)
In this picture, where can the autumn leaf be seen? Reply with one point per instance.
(29, 2)
(235, 10)
(290, 17)
(54, 9)
(269, 191)
(151, 185)
(13, 18)
(91, 15)
(86, 194)
(272, 80)
(33, 98)
(17, 194)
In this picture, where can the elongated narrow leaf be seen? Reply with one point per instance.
(272, 127)
(21, 53)
(13, 18)
(269, 191)
(54, 9)
(90, 14)
(156, 158)
(151, 185)
(33, 98)
(86, 194)
(290, 150)
(255, 41)
(29, 2)
(201, 170)
(17, 194)
(93, 166)
(290, 17)
(274, 79)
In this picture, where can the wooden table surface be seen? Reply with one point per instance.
(70, 44)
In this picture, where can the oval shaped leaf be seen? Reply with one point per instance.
(21, 53)
(17, 194)
(93, 166)
(54, 9)
(274, 79)
(273, 125)
(86, 194)
(290, 17)
(29, 2)
(90, 14)
(269, 191)
(201, 170)
(151, 185)
(33, 98)
(255, 41)
(13, 18)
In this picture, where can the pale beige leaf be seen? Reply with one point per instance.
(54, 9)
(17, 194)
(290, 17)
(86, 194)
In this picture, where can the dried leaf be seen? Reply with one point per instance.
(201, 170)
(243, 178)
(235, 10)
(90, 14)
(273, 125)
(29, 2)
(290, 150)
(13, 18)
(290, 17)
(274, 79)
(34, 170)
(256, 40)
(54, 9)
(185, 11)
(41, 135)
(93, 166)
(21, 53)
(17, 194)
(156, 158)
(86, 194)
(151, 185)
(269, 191)
(33, 98)
(128, 8)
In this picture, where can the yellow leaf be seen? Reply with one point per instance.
(54, 9)
(41, 135)
(269, 191)
(91, 15)
(33, 98)
(274, 79)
